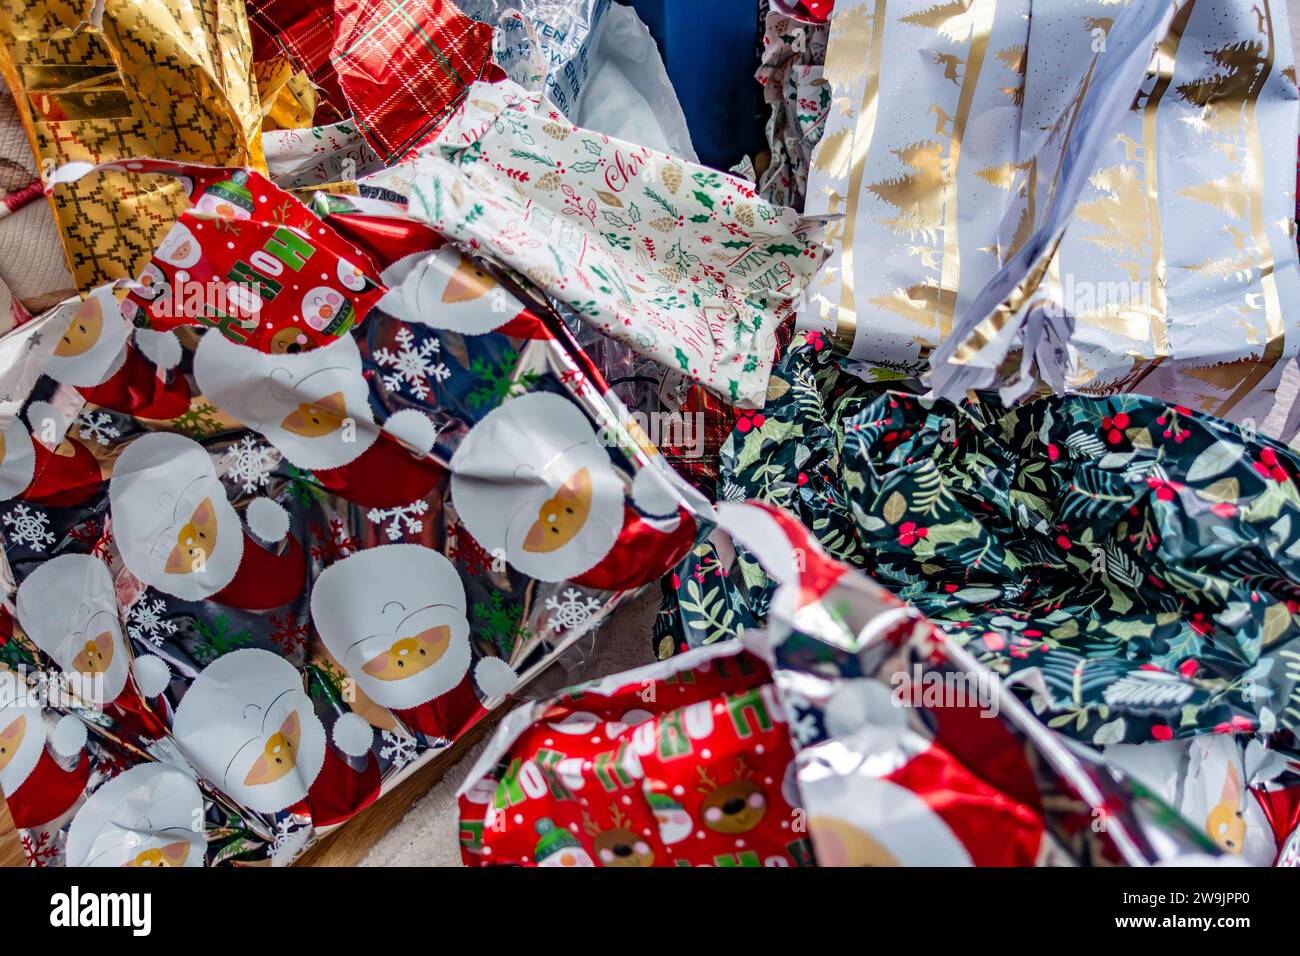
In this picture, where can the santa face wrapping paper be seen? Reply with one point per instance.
(684, 264)
(1080, 194)
(822, 742)
(1129, 566)
(290, 576)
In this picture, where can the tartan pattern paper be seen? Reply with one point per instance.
(301, 32)
(404, 67)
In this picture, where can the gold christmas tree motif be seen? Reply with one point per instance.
(1289, 73)
(1222, 94)
(917, 303)
(1224, 194)
(1119, 213)
(1117, 319)
(1013, 58)
(833, 152)
(849, 48)
(1090, 386)
(1001, 176)
(1240, 266)
(952, 19)
(918, 195)
(1225, 376)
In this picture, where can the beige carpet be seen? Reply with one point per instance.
(427, 835)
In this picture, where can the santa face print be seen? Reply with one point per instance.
(17, 459)
(93, 345)
(68, 608)
(148, 816)
(875, 822)
(171, 520)
(314, 406)
(22, 740)
(247, 725)
(394, 617)
(533, 480)
(445, 290)
(179, 248)
(153, 282)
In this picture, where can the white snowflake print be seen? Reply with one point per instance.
(412, 365)
(569, 611)
(145, 621)
(399, 748)
(403, 520)
(97, 426)
(290, 838)
(733, 492)
(29, 526)
(250, 464)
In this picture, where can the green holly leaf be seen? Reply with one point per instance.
(704, 199)
(683, 359)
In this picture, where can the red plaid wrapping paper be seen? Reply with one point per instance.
(404, 67)
(303, 32)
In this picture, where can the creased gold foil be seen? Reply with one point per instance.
(123, 79)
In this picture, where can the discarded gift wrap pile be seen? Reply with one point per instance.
(361, 357)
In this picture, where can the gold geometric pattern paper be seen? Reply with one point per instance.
(129, 78)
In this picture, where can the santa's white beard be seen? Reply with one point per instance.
(30, 747)
(147, 807)
(97, 364)
(99, 689)
(19, 462)
(444, 675)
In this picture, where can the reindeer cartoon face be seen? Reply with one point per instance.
(150, 815)
(394, 617)
(68, 607)
(619, 846)
(246, 725)
(445, 290)
(172, 523)
(313, 405)
(94, 343)
(735, 807)
(532, 479)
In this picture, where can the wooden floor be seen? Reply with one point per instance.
(11, 853)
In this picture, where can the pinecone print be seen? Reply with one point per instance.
(745, 214)
(664, 223)
(557, 130)
(671, 272)
(543, 275)
(672, 177)
(548, 181)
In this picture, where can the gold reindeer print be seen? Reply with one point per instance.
(1013, 58)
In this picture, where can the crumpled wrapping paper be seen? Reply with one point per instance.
(1124, 218)
(1130, 566)
(123, 79)
(687, 762)
(296, 575)
(799, 98)
(684, 264)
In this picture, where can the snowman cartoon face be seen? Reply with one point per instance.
(446, 290)
(213, 203)
(675, 824)
(351, 276)
(17, 459)
(94, 343)
(148, 816)
(314, 406)
(68, 607)
(153, 282)
(394, 617)
(326, 308)
(179, 248)
(172, 523)
(532, 479)
(247, 725)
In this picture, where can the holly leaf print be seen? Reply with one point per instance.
(586, 166)
(683, 359)
(772, 430)
(1215, 460)
(704, 199)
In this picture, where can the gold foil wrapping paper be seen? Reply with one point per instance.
(1079, 193)
(121, 79)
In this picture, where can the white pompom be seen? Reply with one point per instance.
(69, 736)
(68, 173)
(152, 675)
(48, 424)
(353, 735)
(413, 427)
(267, 519)
(653, 493)
(495, 678)
(161, 348)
